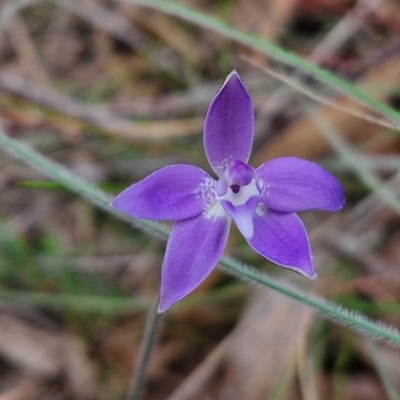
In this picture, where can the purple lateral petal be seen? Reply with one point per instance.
(282, 239)
(194, 249)
(229, 125)
(291, 184)
(172, 193)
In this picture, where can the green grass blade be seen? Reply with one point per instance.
(81, 303)
(206, 21)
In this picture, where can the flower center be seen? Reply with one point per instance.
(235, 188)
(238, 193)
(238, 184)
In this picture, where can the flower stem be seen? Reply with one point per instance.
(150, 335)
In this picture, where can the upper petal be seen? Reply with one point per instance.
(171, 193)
(282, 239)
(229, 125)
(194, 249)
(291, 184)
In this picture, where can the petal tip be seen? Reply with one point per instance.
(113, 203)
(117, 203)
(313, 277)
(233, 73)
(340, 198)
(163, 307)
(343, 202)
(337, 206)
(168, 298)
(234, 76)
(167, 301)
(307, 271)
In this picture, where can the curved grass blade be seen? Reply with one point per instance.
(206, 21)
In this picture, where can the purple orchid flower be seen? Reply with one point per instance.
(261, 201)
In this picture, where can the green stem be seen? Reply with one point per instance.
(81, 303)
(150, 335)
(331, 310)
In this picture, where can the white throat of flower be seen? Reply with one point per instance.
(242, 195)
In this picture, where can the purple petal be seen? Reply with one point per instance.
(291, 184)
(194, 249)
(282, 239)
(172, 193)
(229, 125)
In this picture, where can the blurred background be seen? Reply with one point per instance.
(114, 91)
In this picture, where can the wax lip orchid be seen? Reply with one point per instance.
(261, 201)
